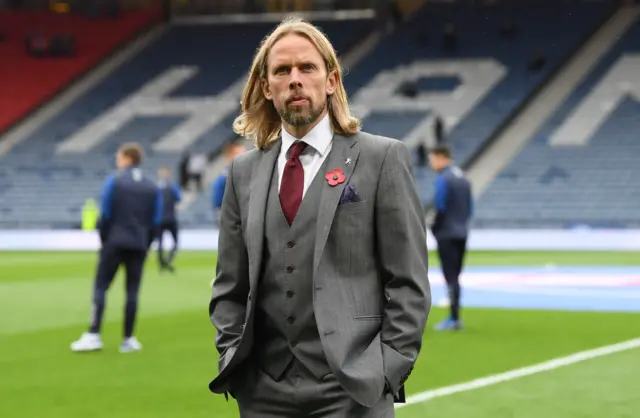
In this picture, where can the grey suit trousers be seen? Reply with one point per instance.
(299, 394)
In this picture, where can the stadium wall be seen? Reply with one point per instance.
(484, 239)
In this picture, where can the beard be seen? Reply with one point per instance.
(300, 115)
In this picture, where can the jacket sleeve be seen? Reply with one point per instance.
(227, 306)
(402, 251)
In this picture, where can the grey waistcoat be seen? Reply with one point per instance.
(285, 324)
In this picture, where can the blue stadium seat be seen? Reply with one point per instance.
(590, 185)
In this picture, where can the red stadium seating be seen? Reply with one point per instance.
(27, 82)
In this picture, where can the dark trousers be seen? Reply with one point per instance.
(172, 227)
(298, 393)
(452, 252)
(110, 260)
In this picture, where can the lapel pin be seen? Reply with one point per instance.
(348, 161)
(335, 177)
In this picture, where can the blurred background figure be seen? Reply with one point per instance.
(90, 215)
(432, 138)
(231, 151)
(171, 196)
(131, 210)
(182, 170)
(196, 165)
(454, 206)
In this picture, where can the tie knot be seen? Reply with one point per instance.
(296, 149)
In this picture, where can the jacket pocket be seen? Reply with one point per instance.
(368, 318)
(352, 206)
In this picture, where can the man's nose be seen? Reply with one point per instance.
(294, 79)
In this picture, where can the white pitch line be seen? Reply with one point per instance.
(524, 371)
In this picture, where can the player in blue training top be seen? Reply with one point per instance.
(454, 205)
(131, 212)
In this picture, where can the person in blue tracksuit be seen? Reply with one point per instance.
(454, 207)
(217, 186)
(131, 212)
(217, 192)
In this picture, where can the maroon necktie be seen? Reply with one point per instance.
(292, 184)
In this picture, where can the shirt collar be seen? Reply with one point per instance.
(446, 168)
(318, 138)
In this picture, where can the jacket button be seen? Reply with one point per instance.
(289, 294)
(291, 244)
(290, 319)
(289, 269)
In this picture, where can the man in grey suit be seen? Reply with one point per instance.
(321, 295)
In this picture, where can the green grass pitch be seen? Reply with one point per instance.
(44, 305)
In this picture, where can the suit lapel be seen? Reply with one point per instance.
(343, 149)
(258, 193)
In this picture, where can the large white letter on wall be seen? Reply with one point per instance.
(202, 113)
(622, 80)
(477, 78)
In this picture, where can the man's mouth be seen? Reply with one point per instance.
(298, 100)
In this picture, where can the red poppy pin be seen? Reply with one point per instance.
(335, 177)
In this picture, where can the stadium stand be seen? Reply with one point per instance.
(584, 173)
(29, 82)
(541, 26)
(55, 165)
(498, 79)
(476, 88)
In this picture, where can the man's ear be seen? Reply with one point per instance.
(332, 82)
(266, 90)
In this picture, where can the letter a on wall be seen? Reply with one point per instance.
(622, 81)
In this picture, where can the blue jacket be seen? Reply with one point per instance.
(454, 204)
(130, 210)
(217, 190)
(171, 196)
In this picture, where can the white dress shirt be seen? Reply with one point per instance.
(319, 140)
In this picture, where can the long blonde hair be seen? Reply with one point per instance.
(259, 120)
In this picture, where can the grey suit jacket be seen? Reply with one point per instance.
(372, 294)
